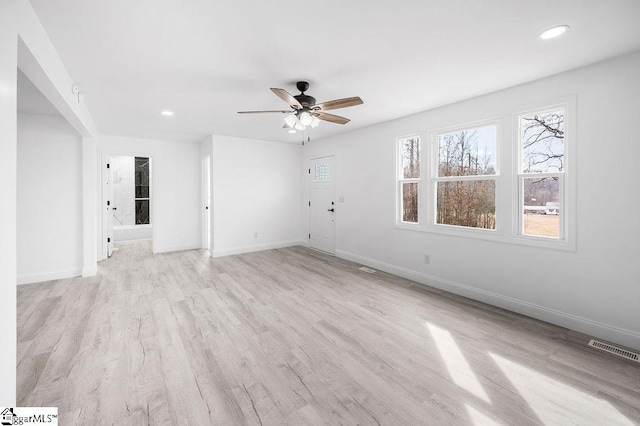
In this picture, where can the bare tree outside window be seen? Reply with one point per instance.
(484, 177)
(462, 201)
(410, 202)
(542, 139)
(543, 142)
(410, 176)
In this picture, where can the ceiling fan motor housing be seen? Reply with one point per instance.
(305, 100)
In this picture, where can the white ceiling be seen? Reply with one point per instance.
(206, 59)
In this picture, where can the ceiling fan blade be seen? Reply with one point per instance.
(260, 112)
(331, 117)
(339, 103)
(287, 97)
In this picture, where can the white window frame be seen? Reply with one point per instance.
(567, 179)
(508, 180)
(402, 180)
(432, 225)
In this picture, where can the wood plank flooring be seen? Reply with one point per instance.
(292, 336)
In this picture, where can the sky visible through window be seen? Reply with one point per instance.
(487, 143)
(467, 152)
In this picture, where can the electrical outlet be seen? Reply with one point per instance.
(427, 259)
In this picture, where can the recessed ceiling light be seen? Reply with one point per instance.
(554, 32)
(292, 131)
(167, 113)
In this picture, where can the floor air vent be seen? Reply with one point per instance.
(368, 270)
(614, 350)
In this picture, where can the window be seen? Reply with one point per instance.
(465, 177)
(541, 173)
(142, 190)
(465, 187)
(409, 178)
(322, 172)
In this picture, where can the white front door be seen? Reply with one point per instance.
(322, 204)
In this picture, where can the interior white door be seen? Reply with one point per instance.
(109, 206)
(206, 203)
(322, 217)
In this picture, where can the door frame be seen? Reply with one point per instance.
(104, 216)
(333, 196)
(206, 201)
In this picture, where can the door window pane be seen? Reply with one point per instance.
(322, 172)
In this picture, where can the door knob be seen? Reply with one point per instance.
(331, 210)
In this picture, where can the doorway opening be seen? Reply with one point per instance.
(128, 201)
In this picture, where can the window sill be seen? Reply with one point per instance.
(489, 235)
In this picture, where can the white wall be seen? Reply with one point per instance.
(175, 188)
(8, 174)
(23, 40)
(256, 189)
(49, 228)
(595, 289)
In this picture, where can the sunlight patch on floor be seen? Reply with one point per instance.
(480, 419)
(555, 402)
(457, 366)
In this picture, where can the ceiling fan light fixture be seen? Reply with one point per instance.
(305, 118)
(314, 121)
(299, 126)
(292, 130)
(291, 120)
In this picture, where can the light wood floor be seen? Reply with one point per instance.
(292, 336)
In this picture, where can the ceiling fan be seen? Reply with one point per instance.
(304, 109)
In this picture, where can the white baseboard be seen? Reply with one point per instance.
(304, 242)
(607, 332)
(89, 271)
(259, 247)
(166, 249)
(37, 278)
